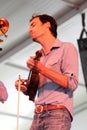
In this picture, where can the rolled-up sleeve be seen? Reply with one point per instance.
(72, 82)
(3, 92)
(70, 66)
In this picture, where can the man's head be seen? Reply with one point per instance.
(45, 19)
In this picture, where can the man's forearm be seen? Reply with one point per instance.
(56, 77)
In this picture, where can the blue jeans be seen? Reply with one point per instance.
(58, 119)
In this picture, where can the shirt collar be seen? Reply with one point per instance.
(57, 44)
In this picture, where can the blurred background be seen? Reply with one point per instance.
(16, 47)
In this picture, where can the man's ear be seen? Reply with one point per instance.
(48, 24)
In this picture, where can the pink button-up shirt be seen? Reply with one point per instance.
(62, 58)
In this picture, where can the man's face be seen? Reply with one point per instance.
(37, 29)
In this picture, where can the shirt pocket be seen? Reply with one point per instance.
(54, 64)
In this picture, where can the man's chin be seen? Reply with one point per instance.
(34, 39)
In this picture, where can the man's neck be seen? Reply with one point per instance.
(47, 43)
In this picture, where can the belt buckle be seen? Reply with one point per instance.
(39, 109)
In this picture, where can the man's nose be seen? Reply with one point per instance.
(29, 30)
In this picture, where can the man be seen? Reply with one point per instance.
(58, 76)
(3, 93)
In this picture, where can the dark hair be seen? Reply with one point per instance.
(47, 18)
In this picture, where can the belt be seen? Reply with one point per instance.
(41, 108)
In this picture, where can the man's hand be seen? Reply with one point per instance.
(22, 84)
(34, 64)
